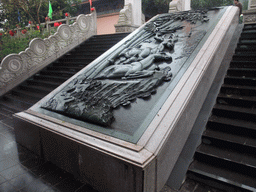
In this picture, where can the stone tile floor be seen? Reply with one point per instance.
(23, 171)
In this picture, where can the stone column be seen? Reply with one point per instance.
(179, 5)
(187, 4)
(130, 17)
(136, 11)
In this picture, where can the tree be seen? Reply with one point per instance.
(197, 4)
(31, 8)
(34, 11)
(153, 7)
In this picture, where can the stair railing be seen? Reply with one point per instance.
(46, 26)
(15, 68)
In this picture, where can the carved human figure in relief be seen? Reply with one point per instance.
(139, 61)
(135, 69)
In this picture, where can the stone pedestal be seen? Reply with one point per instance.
(130, 17)
(139, 150)
(136, 15)
(179, 5)
(250, 14)
(125, 28)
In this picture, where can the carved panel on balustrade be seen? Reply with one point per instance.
(42, 52)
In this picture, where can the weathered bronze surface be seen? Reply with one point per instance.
(145, 67)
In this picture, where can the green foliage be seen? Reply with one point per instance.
(197, 4)
(10, 44)
(153, 7)
(34, 11)
(245, 4)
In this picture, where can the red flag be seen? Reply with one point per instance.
(90, 2)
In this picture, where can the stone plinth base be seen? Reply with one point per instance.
(250, 16)
(125, 28)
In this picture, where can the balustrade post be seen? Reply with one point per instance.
(18, 32)
(68, 20)
(48, 27)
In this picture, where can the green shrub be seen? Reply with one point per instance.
(9, 44)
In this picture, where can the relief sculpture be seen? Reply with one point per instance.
(135, 72)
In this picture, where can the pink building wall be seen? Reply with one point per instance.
(106, 23)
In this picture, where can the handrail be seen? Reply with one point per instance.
(15, 68)
(67, 20)
(47, 24)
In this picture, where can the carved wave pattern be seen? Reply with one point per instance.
(94, 100)
(14, 67)
(42, 52)
(83, 23)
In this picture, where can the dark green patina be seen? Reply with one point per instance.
(120, 95)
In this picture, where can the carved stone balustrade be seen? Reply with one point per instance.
(15, 68)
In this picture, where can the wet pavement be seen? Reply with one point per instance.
(23, 171)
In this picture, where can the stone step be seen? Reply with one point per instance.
(243, 64)
(233, 112)
(239, 91)
(232, 126)
(242, 72)
(197, 182)
(236, 100)
(240, 81)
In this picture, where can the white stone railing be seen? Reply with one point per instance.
(15, 68)
(48, 25)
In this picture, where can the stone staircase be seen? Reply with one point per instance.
(35, 88)
(226, 158)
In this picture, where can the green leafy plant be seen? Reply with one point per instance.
(197, 4)
(23, 11)
(9, 44)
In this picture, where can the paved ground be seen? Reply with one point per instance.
(23, 171)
